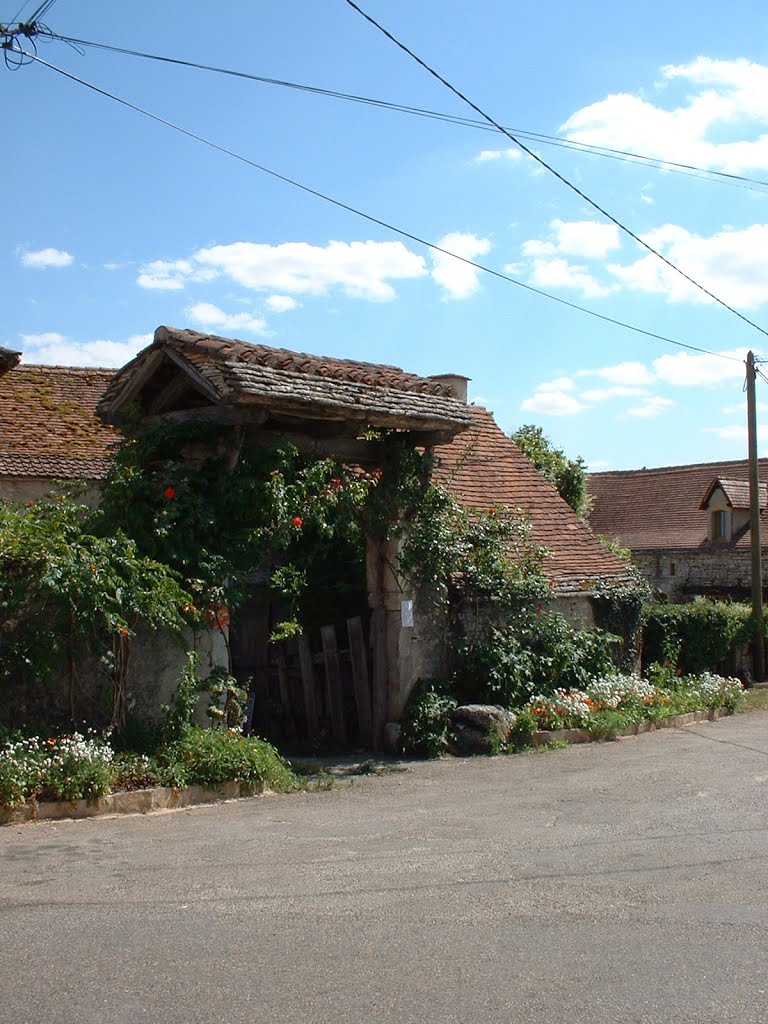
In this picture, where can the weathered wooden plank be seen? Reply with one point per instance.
(333, 683)
(285, 694)
(379, 648)
(308, 687)
(360, 681)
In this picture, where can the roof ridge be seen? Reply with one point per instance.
(676, 469)
(71, 369)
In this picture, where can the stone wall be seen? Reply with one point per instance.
(682, 574)
(67, 701)
(24, 489)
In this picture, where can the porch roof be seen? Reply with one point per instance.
(183, 371)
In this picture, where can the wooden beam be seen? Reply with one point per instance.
(334, 695)
(173, 390)
(134, 384)
(225, 415)
(379, 650)
(360, 679)
(308, 688)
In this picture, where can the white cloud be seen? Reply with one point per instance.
(43, 258)
(459, 280)
(558, 384)
(280, 303)
(732, 264)
(629, 374)
(553, 398)
(54, 349)
(594, 395)
(654, 405)
(589, 239)
(732, 432)
(208, 315)
(559, 273)
(488, 155)
(362, 269)
(548, 266)
(697, 370)
(170, 275)
(732, 93)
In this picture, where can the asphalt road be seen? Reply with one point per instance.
(607, 883)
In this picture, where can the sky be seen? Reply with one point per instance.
(114, 223)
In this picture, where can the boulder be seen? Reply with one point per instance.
(481, 728)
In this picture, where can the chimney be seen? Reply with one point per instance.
(455, 382)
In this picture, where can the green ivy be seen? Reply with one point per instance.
(67, 591)
(698, 636)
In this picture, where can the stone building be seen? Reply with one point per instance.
(61, 423)
(686, 526)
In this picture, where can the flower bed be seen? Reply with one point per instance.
(77, 767)
(611, 704)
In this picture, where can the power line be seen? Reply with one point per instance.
(548, 167)
(376, 220)
(690, 170)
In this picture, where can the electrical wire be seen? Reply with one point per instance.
(690, 170)
(372, 219)
(15, 18)
(557, 174)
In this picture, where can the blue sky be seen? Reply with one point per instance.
(114, 223)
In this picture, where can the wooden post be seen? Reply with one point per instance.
(308, 688)
(333, 683)
(754, 521)
(360, 680)
(379, 648)
(285, 694)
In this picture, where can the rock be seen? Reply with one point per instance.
(392, 732)
(481, 728)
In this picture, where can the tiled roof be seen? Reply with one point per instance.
(660, 509)
(48, 426)
(244, 374)
(483, 467)
(736, 492)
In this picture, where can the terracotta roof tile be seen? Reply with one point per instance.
(483, 467)
(660, 509)
(48, 426)
(295, 382)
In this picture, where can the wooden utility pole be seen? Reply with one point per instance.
(754, 522)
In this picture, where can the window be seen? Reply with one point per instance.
(672, 568)
(721, 524)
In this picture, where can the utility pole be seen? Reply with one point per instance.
(754, 522)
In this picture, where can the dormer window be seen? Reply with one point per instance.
(721, 524)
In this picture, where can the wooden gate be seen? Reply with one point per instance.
(334, 694)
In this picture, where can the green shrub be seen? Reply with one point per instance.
(210, 757)
(426, 723)
(537, 653)
(696, 637)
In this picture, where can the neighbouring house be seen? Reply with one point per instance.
(49, 430)
(61, 423)
(686, 526)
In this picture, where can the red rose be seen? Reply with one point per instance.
(169, 493)
(297, 521)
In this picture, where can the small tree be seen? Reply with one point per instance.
(569, 476)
